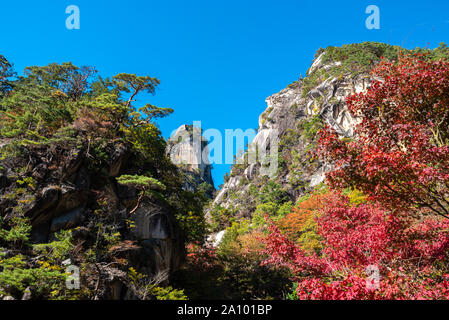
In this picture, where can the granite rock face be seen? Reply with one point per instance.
(68, 193)
(66, 196)
(286, 113)
(188, 150)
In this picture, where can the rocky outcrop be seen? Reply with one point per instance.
(289, 113)
(188, 150)
(56, 189)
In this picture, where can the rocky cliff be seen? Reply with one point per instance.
(188, 150)
(296, 113)
(86, 183)
(56, 189)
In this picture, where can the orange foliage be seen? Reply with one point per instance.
(293, 223)
(91, 121)
(251, 245)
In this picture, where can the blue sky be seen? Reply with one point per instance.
(217, 60)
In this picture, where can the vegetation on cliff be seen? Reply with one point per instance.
(84, 172)
(78, 160)
(377, 227)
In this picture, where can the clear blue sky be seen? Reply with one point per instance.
(217, 60)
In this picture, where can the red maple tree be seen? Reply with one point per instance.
(399, 157)
(400, 153)
(408, 255)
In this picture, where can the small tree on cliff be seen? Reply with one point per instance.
(133, 84)
(139, 128)
(400, 156)
(146, 186)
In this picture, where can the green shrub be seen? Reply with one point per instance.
(18, 231)
(48, 281)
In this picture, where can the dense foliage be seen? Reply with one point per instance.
(392, 243)
(376, 229)
(52, 116)
(400, 156)
(379, 231)
(409, 256)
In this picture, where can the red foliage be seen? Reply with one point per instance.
(409, 256)
(201, 256)
(400, 156)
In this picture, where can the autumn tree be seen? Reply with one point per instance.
(400, 153)
(300, 226)
(409, 256)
